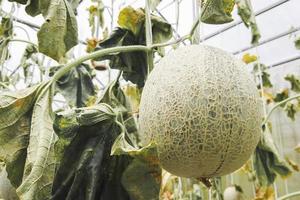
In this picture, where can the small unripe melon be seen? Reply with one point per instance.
(202, 109)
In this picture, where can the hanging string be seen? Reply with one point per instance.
(264, 103)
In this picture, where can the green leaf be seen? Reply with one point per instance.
(217, 11)
(59, 33)
(291, 110)
(77, 86)
(295, 82)
(13, 105)
(297, 43)
(40, 162)
(266, 80)
(246, 13)
(284, 94)
(268, 162)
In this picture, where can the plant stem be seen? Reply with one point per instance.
(97, 54)
(279, 104)
(293, 194)
(4, 85)
(148, 27)
(183, 38)
(25, 41)
(147, 49)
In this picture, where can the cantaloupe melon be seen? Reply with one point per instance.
(202, 109)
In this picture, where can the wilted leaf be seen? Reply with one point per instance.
(96, 12)
(87, 171)
(59, 33)
(40, 161)
(13, 105)
(19, 1)
(142, 180)
(74, 4)
(134, 95)
(247, 58)
(131, 19)
(89, 134)
(246, 13)
(217, 11)
(292, 164)
(14, 141)
(6, 28)
(77, 86)
(7, 191)
(267, 161)
(6, 31)
(67, 122)
(161, 32)
(295, 82)
(29, 51)
(133, 64)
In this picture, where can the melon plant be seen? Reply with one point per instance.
(202, 109)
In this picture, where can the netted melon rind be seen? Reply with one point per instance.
(202, 108)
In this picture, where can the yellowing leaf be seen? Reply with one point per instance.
(268, 96)
(134, 95)
(292, 164)
(91, 44)
(247, 58)
(131, 19)
(92, 9)
(217, 11)
(265, 193)
(297, 148)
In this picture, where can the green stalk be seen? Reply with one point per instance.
(24, 41)
(277, 105)
(148, 27)
(293, 194)
(94, 55)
